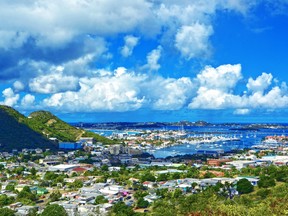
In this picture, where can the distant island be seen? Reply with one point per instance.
(180, 124)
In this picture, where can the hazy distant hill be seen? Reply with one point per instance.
(18, 131)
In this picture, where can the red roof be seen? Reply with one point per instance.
(79, 169)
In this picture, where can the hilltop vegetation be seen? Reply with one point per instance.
(19, 131)
(15, 134)
(49, 125)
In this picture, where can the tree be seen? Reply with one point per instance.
(76, 184)
(193, 185)
(120, 209)
(100, 200)
(6, 212)
(26, 194)
(282, 174)
(26, 189)
(263, 193)
(162, 177)
(244, 186)
(175, 175)
(32, 212)
(10, 187)
(54, 209)
(162, 192)
(266, 181)
(19, 170)
(177, 193)
(50, 175)
(147, 176)
(33, 171)
(164, 207)
(5, 200)
(55, 196)
(105, 168)
(140, 194)
(208, 175)
(141, 203)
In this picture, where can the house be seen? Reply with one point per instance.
(117, 188)
(161, 164)
(78, 170)
(39, 190)
(148, 184)
(225, 180)
(151, 198)
(87, 140)
(38, 151)
(70, 145)
(239, 164)
(24, 210)
(217, 162)
(114, 169)
(85, 198)
(62, 167)
(103, 208)
(170, 171)
(71, 209)
(86, 209)
(20, 187)
(184, 187)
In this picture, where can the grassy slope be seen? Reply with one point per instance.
(47, 125)
(15, 134)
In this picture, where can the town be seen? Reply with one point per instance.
(89, 178)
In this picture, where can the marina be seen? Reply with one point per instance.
(173, 141)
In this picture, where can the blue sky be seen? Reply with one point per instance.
(146, 60)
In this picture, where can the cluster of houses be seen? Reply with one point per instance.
(82, 201)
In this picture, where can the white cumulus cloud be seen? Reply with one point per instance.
(193, 40)
(260, 84)
(53, 83)
(224, 77)
(124, 90)
(217, 86)
(152, 59)
(171, 94)
(119, 92)
(10, 98)
(130, 43)
(51, 24)
(18, 85)
(28, 100)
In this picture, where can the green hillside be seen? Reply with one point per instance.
(15, 134)
(28, 132)
(51, 126)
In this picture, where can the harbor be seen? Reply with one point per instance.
(173, 141)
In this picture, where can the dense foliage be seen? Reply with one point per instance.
(54, 209)
(244, 186)
(6, 212)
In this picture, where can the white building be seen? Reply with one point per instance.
(62, 167)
